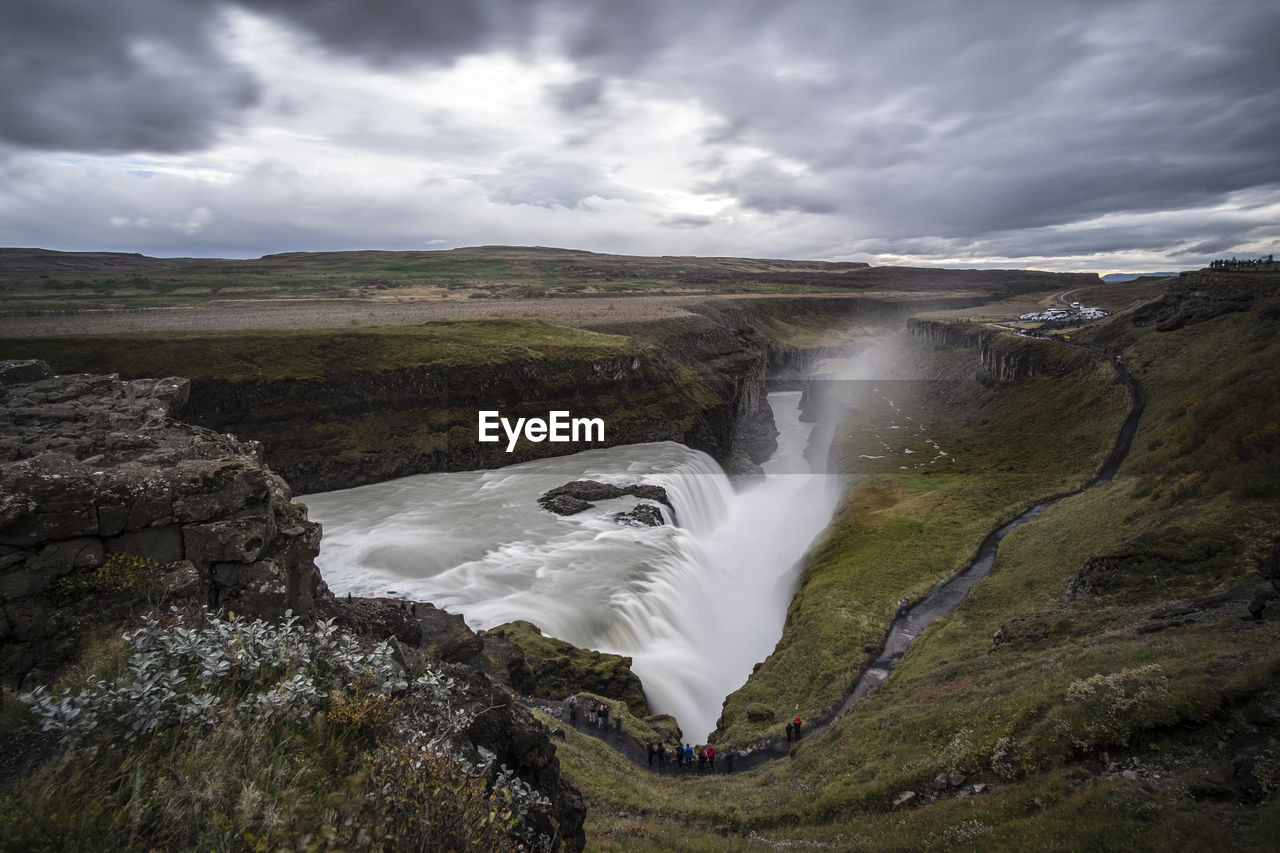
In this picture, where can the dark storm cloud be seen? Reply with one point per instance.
(147, 75)
(396, 31)
(119, 76)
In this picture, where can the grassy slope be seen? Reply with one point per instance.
(1004, 717)
(899, 532)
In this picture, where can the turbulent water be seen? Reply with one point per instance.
(695, 605)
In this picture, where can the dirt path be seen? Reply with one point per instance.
(638, 753)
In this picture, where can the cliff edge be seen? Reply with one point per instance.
(93, 469)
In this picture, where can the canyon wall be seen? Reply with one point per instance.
(1004, 357)
(699, 380)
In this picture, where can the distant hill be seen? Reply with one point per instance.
(19, 262)
(39, 280)
(1117, 277)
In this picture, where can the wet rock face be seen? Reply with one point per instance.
(92, 465)
(644, 515)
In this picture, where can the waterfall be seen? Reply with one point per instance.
(695, 605)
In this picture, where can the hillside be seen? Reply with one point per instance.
(1109, 686)
(35, 280)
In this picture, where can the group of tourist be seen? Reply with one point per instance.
(689, 756)
(597, 714)
(1241, 263)
(685, 758)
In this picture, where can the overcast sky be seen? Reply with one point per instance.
(1071, 135)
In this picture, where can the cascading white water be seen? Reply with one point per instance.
(695, 606)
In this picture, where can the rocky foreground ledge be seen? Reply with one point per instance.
(93, 465)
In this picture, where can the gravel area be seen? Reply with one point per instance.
(329, 314)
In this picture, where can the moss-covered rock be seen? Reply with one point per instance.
(557, 669)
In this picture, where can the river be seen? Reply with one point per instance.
(695, 605)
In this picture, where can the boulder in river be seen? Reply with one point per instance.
(572, 498)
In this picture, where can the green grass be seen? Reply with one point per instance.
(1016, 717)
(52, 282)
(317, 353)
(69, 282)
(899, 532)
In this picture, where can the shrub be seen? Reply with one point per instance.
(197, 709)
(1107, 710)
(225, 667)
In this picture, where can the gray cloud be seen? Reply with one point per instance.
(399, 31)
(687, 220)
(124, 76)
(549, 182)
(951, 128)
(579, 96)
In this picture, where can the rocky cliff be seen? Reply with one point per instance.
(699, 380)
(1003, 357)
(92, 466)
(1202, 295)
(355, 426)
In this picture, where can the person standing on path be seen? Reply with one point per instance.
(796, 724)
(789, 730)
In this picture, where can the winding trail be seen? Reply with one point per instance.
(939, 601)
(948, 594)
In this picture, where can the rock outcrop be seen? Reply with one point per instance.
(518, 741)
(554, 669)
(573, 498)
(1203, 295)
(92, 466)
(519, 655)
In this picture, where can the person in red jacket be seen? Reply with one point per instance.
(795, 724)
